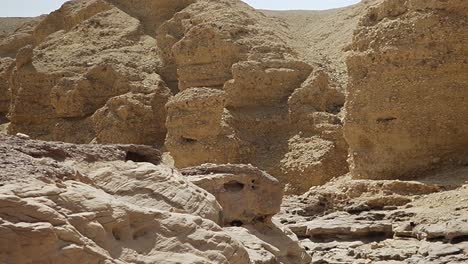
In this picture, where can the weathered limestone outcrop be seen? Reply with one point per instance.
(94, 204)
(196, 125)
(383, 221)
(142, 55)
(317, 151)
(237, 51)
(6, 65)
(115, 74)
(245, 193)
(406, 105)
(249, 199)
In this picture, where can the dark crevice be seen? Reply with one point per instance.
(3, 119)
(189, 140)
(385, 119)
(237, 223)
(367, 238)
(233, 186)
(459, 239)
(136, 157)
(116, 234)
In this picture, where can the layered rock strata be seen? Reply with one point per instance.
(406, 104)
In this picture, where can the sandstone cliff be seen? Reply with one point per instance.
(365, 104)
(407, 98)
(212, 81)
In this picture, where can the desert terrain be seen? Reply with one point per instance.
(205, 131)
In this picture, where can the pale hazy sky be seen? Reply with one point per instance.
(27, 8)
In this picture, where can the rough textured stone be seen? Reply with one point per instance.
(249, 198)
(406, 102)
(245, 193)
(141, 53)
(64, 93)
(195, 124)
(270, 244)
(95, 204)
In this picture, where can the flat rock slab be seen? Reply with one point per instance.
(342, 226)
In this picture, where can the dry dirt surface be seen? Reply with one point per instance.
(9, 25)
(205, 131)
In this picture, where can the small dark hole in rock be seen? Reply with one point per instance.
(236, 223)
(233, 186)
(459, 239)
(189, 140)
(116, 234)
(261, 219)
(136, 157)
(385, 119)
(436, 239)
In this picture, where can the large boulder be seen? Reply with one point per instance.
(249, 199)
(245, 193)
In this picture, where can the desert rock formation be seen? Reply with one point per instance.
(406, 105)
(98, 204)
(250, 198)
(232, 70)
(205, 131)
(121, 204)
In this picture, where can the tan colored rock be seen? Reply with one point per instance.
(272, 243)
(6, 65)
(201, 109)
(355, 196)
(258, 73)
(133, 118)
(406, 101)
(317, 94)
(264, 83)
(104, 204)
(195, 125)
(246, 194)
(342, 225)
(139, 53)
(249, 198)
(64, 94)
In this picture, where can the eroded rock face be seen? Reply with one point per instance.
(245, 193)
(406, 102)
(382, 221)
(196, 125)
(221, 62)
(250, 198)
(272, 243)
(6, 65)
(94, 204)
(108, 90)
(237, 51)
